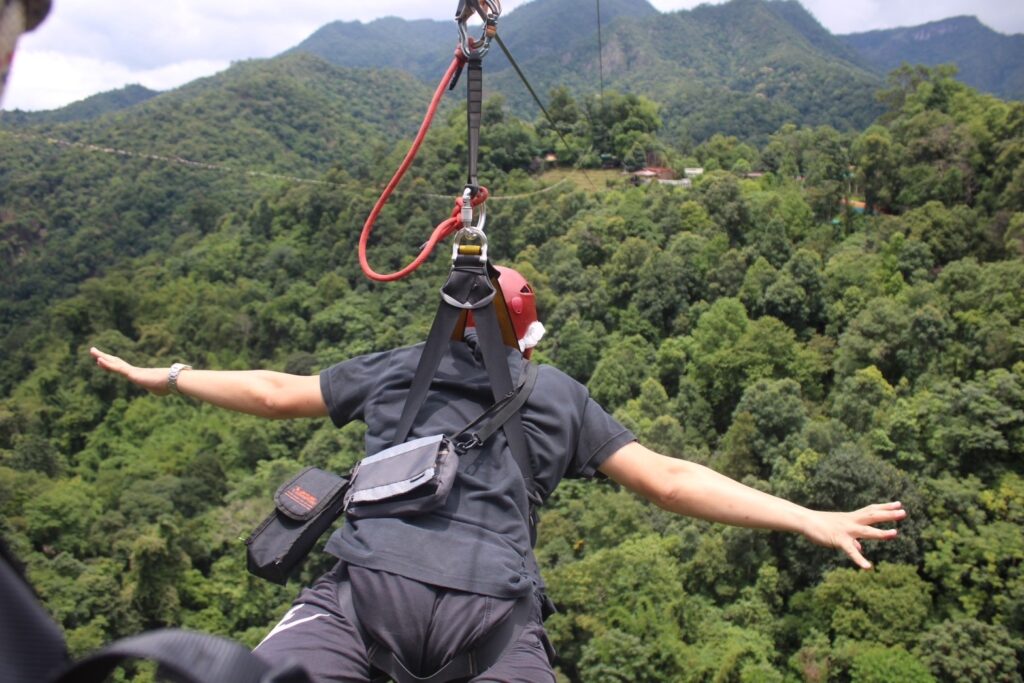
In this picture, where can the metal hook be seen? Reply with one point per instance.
(488, 11)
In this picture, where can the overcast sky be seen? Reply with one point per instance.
(90, 46)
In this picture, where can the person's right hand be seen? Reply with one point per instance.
(153, 380)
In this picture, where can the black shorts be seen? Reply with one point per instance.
(425, 626)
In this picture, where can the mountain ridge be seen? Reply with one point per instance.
(136, 180)
(986, 59)
(765, 62)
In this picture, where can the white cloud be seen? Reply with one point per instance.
(47, 80)
(853, 16)
(86, 46)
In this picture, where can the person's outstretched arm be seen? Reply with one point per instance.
(697, 491)
(257, 392)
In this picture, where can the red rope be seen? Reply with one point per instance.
(443, 229)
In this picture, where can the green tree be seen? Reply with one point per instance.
(774, 427)
(876, 664)
(621, 371)
(720, 194)
(961, 651)
(889, 605)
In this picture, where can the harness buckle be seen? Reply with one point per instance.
(464, 445)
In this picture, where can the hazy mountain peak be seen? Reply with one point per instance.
(987, 60)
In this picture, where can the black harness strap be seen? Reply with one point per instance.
(32, 647)
(465, 290)
(496, 363)
(474, 115)
(469, 287)
(189, 657)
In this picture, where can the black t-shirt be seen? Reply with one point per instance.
(478, 541)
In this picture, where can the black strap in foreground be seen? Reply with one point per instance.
(32, 646)
(189, 657)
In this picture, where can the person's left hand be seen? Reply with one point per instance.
(844, 530)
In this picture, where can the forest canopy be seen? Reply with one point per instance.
(834, 317)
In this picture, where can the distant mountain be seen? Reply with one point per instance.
(987, 60)
(549, 28)
(423, 48)
(742, 68)
(135, 180)
(89, 108)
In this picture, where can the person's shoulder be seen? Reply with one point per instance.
(383, 358)
(550, 378)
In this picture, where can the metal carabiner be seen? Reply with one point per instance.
(488, 11)
(470, 232)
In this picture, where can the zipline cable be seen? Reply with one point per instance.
(600, 50)
(529, 87)
(223, 168)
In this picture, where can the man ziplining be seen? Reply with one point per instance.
(455, 593)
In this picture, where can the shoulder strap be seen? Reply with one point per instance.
(469, 288)
(433, 351)
(496, 362)
(189, 657)
(479, 430)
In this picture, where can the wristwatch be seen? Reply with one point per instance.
(172, 376)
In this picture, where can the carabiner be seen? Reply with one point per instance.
(488, 11)
(470, 232)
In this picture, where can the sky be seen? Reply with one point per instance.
(90, 46)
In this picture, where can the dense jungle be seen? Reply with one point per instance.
(831, 314)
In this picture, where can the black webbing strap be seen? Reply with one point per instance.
(32, 646)
(188, 657)
(479, 430)
(469, 287)
(464, 290)
(474, 115)
(496, 363)
(440, 332)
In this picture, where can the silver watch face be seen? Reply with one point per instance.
(172, 376)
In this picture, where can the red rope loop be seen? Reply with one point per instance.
(443, 229)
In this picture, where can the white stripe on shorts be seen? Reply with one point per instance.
(286, 624)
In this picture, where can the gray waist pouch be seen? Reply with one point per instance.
(409, 479)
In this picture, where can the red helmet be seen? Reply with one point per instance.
(521, 305)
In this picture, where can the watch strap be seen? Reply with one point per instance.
(172, 376)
